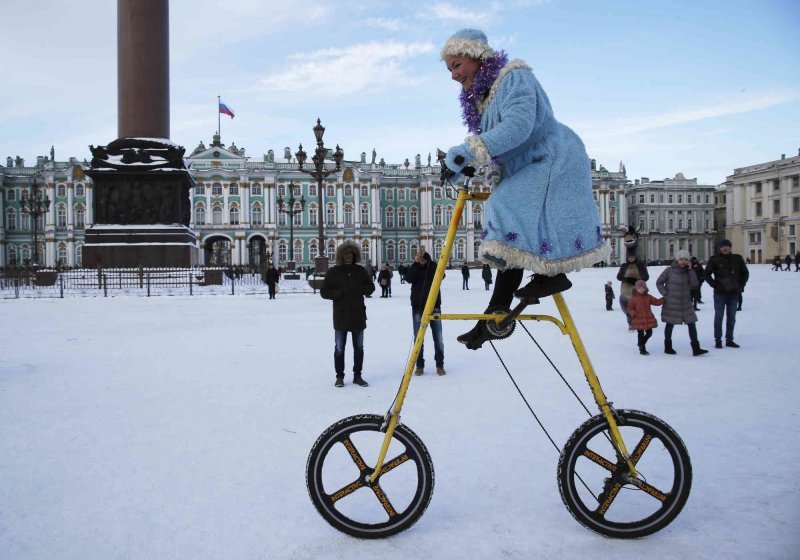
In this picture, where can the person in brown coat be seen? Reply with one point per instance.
(642, 318)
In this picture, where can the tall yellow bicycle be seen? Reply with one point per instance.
(622, 473)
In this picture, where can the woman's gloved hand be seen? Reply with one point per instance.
(458, 157)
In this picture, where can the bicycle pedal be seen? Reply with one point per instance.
(516, 312)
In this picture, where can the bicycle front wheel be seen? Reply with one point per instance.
(595, 485)
(338, 471)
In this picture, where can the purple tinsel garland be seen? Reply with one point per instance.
(487, 74)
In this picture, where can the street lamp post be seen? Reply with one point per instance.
(35, 205)
(291, 212)
(319, 173)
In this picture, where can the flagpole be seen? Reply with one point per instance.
(219, 120)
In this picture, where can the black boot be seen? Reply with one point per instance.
(668, 347)
(718, 344)
(643, 351)
(474, 338)
(542, 286)
(696, 350)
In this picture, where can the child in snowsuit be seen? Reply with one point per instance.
(609, 295)
(642, 317)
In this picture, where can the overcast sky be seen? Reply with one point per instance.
(698, 87)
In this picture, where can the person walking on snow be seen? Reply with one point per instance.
(464, 277)
(641, 314)
(609, 296)
(676, 284)
(727, 273)
(486, 274)
(420, 275)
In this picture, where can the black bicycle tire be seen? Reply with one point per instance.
(568, 482)
(491, 327)
(322, 501)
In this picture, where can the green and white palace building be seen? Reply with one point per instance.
(388, 209)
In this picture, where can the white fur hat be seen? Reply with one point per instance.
(468, 42)
(682, 254)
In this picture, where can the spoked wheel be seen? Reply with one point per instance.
(595, 485)
(340, 464)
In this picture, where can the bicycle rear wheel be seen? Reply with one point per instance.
(339, 467)
(595, 487)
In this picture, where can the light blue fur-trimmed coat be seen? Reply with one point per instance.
(541, 215)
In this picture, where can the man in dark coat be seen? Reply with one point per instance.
(788, 261)
(271, 278)
(727, 273)
(347, 284)
(797, 261)
(464, 277)
(420, 275)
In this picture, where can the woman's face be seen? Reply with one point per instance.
(463, 69)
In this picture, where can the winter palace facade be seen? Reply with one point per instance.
(388, 209)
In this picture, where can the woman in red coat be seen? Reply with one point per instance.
(642, 318)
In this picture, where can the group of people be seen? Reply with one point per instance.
(679, 284)
(776, 262)
(486, 276)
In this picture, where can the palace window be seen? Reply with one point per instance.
(758, 187)
(216, 189)
(390, 251)
(414, 217)
(234, 214)
(689, 198)
(776, 207)
(401, 195)
(476, 248)
(460, 250)
(390, 217)
(389, 194)
(61, 216)
(758, 209)
(258, 215)
(330, 215)
(641, 198)
(364, 191)
(412, 196)
(61, 190)
(312, 190)
(437, 216)
(199, 214)
(796, 204)
(216, 215)
(282, 251)
(401, 218)
(313, 215)
(448, 214)
(199, 188)
(348, 215)
(79, 191)
(477, 219)
(281, 219)
(281, 191)
(652, 199)
(330, 190)
(256, 189)
(348, 190)
(365, 253)
(437, 249)
(330, 251)
(402, 251)
(234, 189)
(437, 192)
(80, 216)
(62, 254)
(11, 219)
(365, 214)
(11, 195)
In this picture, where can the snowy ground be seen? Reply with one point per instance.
(179, 427)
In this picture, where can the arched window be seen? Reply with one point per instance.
(258, 214)
(348, 215)
(11, 219)
(79, 191)
(282, 250)
(348, 190)
(330, 215)
(364, 191)
(448, 215)
(331, 251)
(200, 214)
(390, 217)
(401, 218)
(281, 191)
(80, 216)
(390, 251)
(460, 249)
(612, 216)
(233, 189)
(298, 250)
(477, 217)
(11, 254)
(234, 214)
(365, 221)
(313, 215)
(79, 255)
(216, 215)
(61, 190)
(437, 192)
(216, 189)
(24, 221)
(412, 195)
(437, 249)
(476, 247)
(255, 189)
(365, 252)
(414, 213)
(298, 215)
(414, 249)
(281, 219)
(330, 190)
(312, 248)
(437, 215)
(402, 251)
(26, 253)
(62, 254)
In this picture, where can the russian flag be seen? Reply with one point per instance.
(225, 110)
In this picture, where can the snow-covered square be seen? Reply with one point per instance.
(179, 427)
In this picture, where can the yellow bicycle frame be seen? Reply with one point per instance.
(565, 325)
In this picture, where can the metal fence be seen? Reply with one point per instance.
(146, 282)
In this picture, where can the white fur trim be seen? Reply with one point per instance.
(479, 150)
(513, 65)
(517, 258)
(457, 46)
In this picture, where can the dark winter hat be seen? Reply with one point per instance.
(725, 243)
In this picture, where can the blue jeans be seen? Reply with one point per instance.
(358, 352)
(438, 341)
(725, 304)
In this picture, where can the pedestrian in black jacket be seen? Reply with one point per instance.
(420, 275)
(347, 284)
(727, 273)
(486, 274)
(464, 277)
(788, 261)
(697, 268)
(271, 277)
(609, 296)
